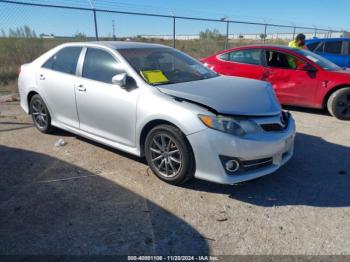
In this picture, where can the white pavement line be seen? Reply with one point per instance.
(64, 179)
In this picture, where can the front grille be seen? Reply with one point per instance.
(275, 127)
(249, 165)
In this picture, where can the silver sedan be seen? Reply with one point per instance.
(156, 102)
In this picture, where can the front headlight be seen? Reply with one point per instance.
(230, 125)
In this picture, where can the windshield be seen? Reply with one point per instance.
(162, 66)
(319, 60)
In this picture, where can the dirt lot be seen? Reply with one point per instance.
(84, 198)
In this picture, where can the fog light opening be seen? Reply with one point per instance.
(232, 165)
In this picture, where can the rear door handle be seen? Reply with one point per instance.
(81, 88)
(41, 77)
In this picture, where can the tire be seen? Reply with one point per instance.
(169, 154)
(40, 114)
(338, 104)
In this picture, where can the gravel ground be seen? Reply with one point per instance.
(85, 198)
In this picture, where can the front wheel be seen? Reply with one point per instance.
(40, 114)
(339, 104)
(169, 154)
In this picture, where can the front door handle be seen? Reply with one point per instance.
(81, 88)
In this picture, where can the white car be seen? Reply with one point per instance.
(155, 101)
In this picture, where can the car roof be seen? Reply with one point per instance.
(283, 47)
(118, 44)
(328, 39)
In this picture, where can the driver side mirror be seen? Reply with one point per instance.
(124, 81)
(120, 79)
(306, 67)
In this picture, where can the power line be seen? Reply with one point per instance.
(154, 14)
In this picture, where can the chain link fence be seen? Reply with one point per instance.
(27, 29)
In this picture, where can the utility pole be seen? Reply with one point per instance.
(95, 19)
(226, 40)
(113, 28)
(265, 33)
(225, 19)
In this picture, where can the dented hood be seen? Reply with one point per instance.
(228, 95)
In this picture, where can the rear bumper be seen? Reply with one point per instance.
(22, 95)
(208, 145)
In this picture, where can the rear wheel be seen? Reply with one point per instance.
(40, 114)
(169, 154)
(339, 104)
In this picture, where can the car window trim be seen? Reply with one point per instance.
(76, 69)
(261, 62)
(344, 47)
(81, 66)
(81, 62)
(347, 47)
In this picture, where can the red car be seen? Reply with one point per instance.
(299, 77)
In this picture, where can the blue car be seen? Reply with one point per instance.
(336, 50)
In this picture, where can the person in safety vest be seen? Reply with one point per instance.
(299, 42)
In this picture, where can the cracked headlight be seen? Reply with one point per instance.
(230, 125)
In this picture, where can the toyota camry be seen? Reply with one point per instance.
(156, 102)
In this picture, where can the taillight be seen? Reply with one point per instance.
(18, 71)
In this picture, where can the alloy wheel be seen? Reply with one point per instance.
(39, 113)
(166, 155)
(343, 106)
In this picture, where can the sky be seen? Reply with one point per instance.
(310, 13)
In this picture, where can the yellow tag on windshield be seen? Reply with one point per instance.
(154, 76)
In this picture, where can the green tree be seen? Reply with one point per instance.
(263, 36)
(80, 36)
(20, 32)
(211, 34)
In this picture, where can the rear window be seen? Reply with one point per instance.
(251, 56)
(333, 47)
(64, 61)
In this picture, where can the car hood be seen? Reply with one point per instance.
(228, 95)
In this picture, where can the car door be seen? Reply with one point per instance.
(243, 63)
(292, 85)
(56, 79)
(105, 109)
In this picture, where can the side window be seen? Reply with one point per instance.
(224, 56)
(252, 57)
(100, 66)
(64, 61)
(312, 46)
(319, 48)
(281, 60)
(333, 47)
